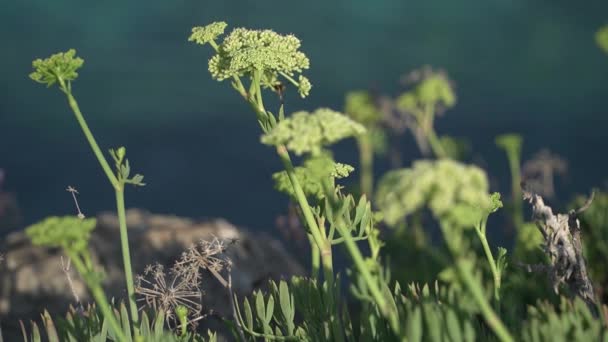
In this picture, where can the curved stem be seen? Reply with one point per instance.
(486, 247)
(99, 296)
(489, 315)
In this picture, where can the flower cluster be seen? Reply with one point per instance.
(68, 232)
(311, 175)
(206, 34)
(448, 188)
(360, 106)
(60, 67)
(433, 88)
(244, 51)
(305, 132)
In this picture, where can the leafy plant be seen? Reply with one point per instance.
(466, 304)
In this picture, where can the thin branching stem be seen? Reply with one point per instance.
(118, 186)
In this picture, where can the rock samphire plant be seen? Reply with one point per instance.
(466, 304)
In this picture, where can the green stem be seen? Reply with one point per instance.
(514, 165)
(489, 315)
(322, 244)
(436, 144)
(99, 296)
(126, 258)
(366, 158)
(375, 291)
(118, 188)
(87, 132)
(495, 274)
(466, 275)
(315, 257)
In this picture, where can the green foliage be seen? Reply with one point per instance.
(58, 68)
(601, 38)
(311, 309)
(433, 90)
(311, 176)
(88, 324)
(451, 191)
(572, 321)
(305, 132)
(361, 107)
(68, 232)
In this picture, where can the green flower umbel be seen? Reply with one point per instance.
(260, 55)
(307, 132)
(59, 68)
(244, 51)
(68, 232)
(207, 34)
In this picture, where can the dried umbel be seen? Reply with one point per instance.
(167, 292)
(206, 255)
(180, 286)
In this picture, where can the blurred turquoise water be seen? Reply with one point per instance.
(525, 66)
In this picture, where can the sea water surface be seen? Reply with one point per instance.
(530, 67)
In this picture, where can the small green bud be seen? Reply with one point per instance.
(181, 312)
(304, 86)
(120, 153)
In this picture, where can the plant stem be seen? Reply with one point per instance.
(514, 165)
(427, 124)
(99, 295)
(87, 132)
(489, 315)
(466, 275)
(315, 257)
(366, 158)
(120, 202)
(322, 244)
(495, 274)
(126, 258)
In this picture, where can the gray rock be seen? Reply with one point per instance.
(32, 278)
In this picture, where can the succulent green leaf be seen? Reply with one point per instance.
(248, 315)
(58, 68)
